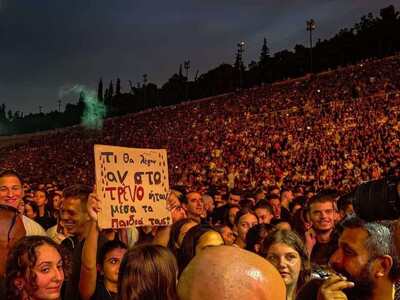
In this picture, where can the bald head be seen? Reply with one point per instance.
(227, 272)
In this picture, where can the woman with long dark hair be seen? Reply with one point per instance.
(286, 251)
(148, 272)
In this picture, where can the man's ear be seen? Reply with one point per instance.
(382, 266)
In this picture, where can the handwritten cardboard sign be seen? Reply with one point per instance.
(132, 185)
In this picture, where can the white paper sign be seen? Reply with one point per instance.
(132, 185)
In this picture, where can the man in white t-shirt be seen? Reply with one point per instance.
(11, 194)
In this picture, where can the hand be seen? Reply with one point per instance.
(310, 240)
(175, 207)
(178, 213)
(172, 201)
(93, 206)
(333, 288)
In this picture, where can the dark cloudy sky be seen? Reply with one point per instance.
(48, 45)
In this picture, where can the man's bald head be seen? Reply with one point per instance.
(227, 272)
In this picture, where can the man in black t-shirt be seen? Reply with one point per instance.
(321, 212)
(75, 219)
(286, 199)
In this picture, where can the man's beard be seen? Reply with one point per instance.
(363, 286)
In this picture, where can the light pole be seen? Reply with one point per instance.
(310, 27)
(144, 89)
(186, 65)
(240, 52)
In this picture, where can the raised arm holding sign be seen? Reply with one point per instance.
(132, 185)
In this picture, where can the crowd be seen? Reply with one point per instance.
(276, 244)
(332, 129)
(259, 200)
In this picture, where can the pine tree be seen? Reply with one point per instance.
(100, 91)
(264, 56)
(106, 95)
(180, 71)
(265, 63)
(239, 68)
(237, 61)
(3, 112)
(81, 97)
(118, 87)
(111, 90)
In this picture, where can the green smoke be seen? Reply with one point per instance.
(94, 111)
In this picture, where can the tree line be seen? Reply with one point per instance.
(372, 37)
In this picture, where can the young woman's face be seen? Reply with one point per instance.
(246, 222)
(40, 198)
(287, 260)
(57, 201)
(112, 261)
(49, 274)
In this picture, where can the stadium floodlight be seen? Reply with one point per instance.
(186, 65)
(240, 52)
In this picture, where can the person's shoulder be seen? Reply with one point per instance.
(101, 293)
(219, 212)
(222, 208)
(32, 227)
(52, 230)
(55, 235)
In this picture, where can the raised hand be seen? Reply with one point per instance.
(93, 206)
(332, 288)
(310, 240)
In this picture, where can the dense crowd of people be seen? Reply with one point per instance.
(332, 129)
(260, 203)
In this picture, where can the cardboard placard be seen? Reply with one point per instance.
(132, 185)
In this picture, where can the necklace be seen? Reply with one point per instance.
(108, 292)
